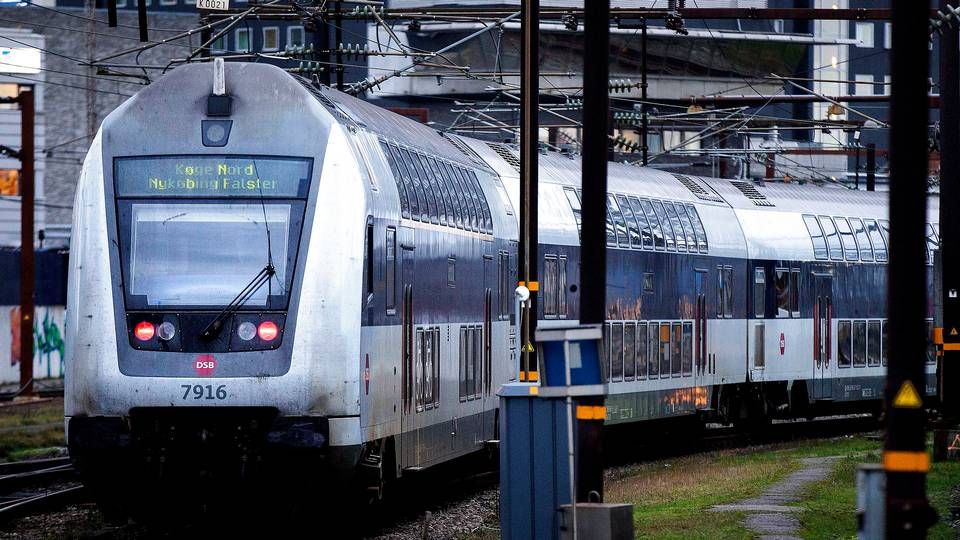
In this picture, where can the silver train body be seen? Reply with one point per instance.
(392, 252)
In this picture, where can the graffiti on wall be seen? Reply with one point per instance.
(48, 346)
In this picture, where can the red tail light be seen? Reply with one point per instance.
(267, 331)
(144, 331)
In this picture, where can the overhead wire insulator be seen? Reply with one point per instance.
(626, 118)
(945, 18)
(621, 86)
(574, 103)
(622, 143)
(367, 12)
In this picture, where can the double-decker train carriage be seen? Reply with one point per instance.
(282, 282)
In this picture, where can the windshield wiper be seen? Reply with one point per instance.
(216, 325)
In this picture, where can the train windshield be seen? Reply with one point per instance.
(195, 231)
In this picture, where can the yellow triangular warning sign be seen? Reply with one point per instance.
(528, 348)
(907, 397)
(953, 331)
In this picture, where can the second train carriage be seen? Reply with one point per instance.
(725, 299)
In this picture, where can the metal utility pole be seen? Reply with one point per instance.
(593, 250)
(905, 460)
(950, 222)
(644, 120)
(27, 261)
(529, 178)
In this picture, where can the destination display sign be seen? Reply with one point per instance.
(212, 176)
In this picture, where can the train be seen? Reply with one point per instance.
(273, 281)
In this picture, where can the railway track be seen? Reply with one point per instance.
(35, 486)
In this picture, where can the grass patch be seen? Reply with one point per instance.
(831, 504)
(671, 498)
(31, 430)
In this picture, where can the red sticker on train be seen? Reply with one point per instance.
(205, 365)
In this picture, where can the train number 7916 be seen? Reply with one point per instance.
(204, 391)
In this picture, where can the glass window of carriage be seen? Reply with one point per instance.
(844, 358)
(698, 228)
(659, 241)
(688, 230)
(633, 230)
(933, 243)
(418, 210)
(429, 183)
(444, 205)
(611, 228)
(850, 249)
(860, 232)
(653, 348)
(620, 225)
(667, 226)
(816, 237)
(859, 343)
(454, 209)
(873, 343)
(876, 240)
(834, 246)
(642, 222)
(641, 350)
(781, 285)
(574, 201)
(392, 159)
(629, 351)
(759, 291)
(795, 292)
(679, 233)
(456, 194)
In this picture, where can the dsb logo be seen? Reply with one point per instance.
(205, 365)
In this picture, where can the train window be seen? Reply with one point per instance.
(616, 352)
(833, 238)
(487, 217)
(456, 195)
(418, 368)
(932, 243)
(843, 344)
(653, 348)
(463, 364)
(876, 238)
(687, 349)
(391, 271)
(688, 230)
(859, 343)
(472, 210)
(641, 350)
(574, 201)
(470, 351)
(679, 233)
(477, 356)
(884, 342)
(641, 216)
(550, 286)
(388, 152)
(698, 228)
(873, 343)
(658, 240)
(648, 282)
(850, 249)
(618, 234)
(664, 350)
(429, 185)
(633, 231)
(795, 292)
(451, 272)
(931, 347)
(866, 251)
(665, 223)
(420, 210)
(369, 262)
(629, 351)
(605, 351)
(725, 292)
(562, 288)
(443, 197)
(676, 348)
(781, 285)
(759, 291)
(479, 201)
(816, 236)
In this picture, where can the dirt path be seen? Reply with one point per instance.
(771, 514)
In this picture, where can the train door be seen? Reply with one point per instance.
(702, 372)
(409, 438)
(822, 337)
(486, 371)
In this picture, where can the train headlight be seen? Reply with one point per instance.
(268, 331)
(144, 331)
(166, 331)
(246, 331)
